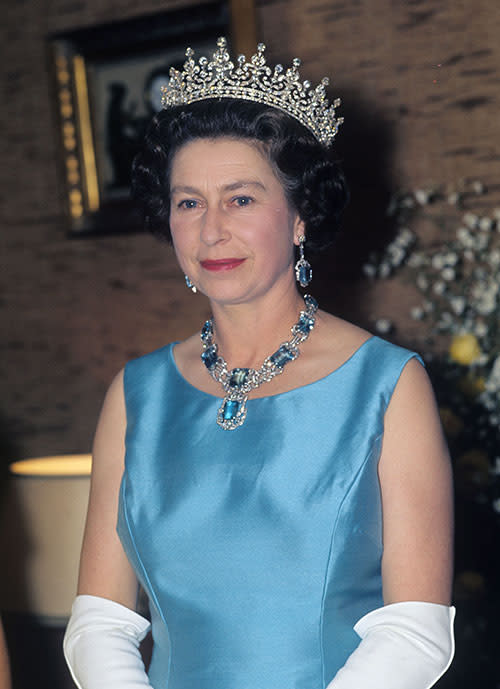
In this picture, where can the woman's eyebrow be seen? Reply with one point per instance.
(238, 184)
(243, 183)
(185, 189)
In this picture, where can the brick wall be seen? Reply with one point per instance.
(419, 80)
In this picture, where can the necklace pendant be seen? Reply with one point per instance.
(233, 411)
(238, 382)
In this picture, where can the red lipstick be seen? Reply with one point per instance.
(222, 264)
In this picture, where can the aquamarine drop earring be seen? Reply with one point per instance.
(190, 284)
(303, 270)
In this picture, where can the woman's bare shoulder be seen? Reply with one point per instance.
(111, 425)
(333, 341)
(339, 334)
(115, 389)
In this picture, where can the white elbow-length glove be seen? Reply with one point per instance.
(406, 645)
(101, 645)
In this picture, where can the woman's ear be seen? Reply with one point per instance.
(299, 230)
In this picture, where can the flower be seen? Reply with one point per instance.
(488, 401)
(384, 270)
(406, 236)
(439, 288)
(480, 329)
(471, 220)
(451, 258)
(487, 300)
(383, 326)
(458, 305)
(438, 262)
(485, 224)
(464, 349)
(494, 258)
(397, 255)
(407, 202)
(446, 319)
(495, 371)
(493, 381)
(422, 196)
(481, 241)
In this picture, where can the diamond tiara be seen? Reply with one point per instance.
(254, 81)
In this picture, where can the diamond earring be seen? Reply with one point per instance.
(303, 270)
(190, 284)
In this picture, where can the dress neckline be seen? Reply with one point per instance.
(343, 365)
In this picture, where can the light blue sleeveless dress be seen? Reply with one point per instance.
(259, 548)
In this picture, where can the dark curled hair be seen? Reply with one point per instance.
(312, 179)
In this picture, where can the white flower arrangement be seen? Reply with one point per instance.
(458, 279)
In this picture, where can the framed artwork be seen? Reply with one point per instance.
(107, 83)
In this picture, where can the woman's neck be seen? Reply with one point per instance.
(248, 333)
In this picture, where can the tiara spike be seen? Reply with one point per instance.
(254, 80)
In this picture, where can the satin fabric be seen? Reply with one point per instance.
(259, 548)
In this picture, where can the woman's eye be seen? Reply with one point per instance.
(242, 201)
(187, 203)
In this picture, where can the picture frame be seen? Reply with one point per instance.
(107, 88)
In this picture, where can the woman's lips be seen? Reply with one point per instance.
(222, 264)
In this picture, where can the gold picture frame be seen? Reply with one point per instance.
(104, 78)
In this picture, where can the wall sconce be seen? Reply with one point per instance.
(42, 517)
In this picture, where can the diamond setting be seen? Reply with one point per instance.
(238, 382)
(254, 80)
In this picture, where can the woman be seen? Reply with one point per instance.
(289, 520)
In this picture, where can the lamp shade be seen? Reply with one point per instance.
(42, 517)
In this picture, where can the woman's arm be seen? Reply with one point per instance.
(104, 568)
(409, 641)
(417, 501)
(101, 644)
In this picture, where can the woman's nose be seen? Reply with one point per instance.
(214, 225)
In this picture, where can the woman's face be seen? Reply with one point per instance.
(232, 227)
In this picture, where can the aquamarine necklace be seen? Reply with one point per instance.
(238, 382)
